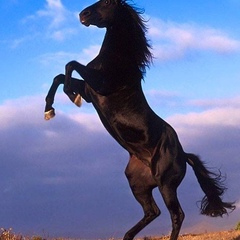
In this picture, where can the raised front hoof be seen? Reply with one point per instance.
(78, 100)
(49, 114)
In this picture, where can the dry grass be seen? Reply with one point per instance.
(223, 235)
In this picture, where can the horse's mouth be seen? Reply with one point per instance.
(96, 22)
(84, 22)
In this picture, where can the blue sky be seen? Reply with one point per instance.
(65, 177)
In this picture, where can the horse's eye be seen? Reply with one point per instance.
(107, 2)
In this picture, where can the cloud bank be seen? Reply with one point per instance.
(66, 176)
(172, 40)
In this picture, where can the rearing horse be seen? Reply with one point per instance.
(112, 83)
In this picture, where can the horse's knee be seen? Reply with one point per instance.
(59, 79)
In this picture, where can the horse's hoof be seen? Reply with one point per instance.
(49, 114)
(78, 100)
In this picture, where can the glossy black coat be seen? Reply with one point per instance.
(112, 83)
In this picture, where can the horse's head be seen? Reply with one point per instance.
(100, 14)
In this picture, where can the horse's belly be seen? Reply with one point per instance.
(131, 134)
(135, 140)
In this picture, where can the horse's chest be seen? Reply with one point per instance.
(129, 128)
(125, 123)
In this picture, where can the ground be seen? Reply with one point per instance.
(223, 235)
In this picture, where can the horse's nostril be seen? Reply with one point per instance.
(84, 16)
(85, 13)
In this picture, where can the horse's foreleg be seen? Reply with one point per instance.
(78, 87)
(49, 110)
(93, 77)
(141, 183)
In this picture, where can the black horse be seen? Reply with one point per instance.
(112, 83)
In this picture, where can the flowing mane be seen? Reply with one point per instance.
(137, 29)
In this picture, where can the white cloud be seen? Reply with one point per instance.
(54, 10)
(90, 121)
(207, 124)
(216, 103)
(165, 100)
(91, 52)
(56, 21)
(12, 114)
(16, 42)
(173, 40)
(60, 35)
(228, 116)
(214, 134)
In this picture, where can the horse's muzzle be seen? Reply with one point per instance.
(83, 16)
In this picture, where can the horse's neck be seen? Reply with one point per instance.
(115, 40)
(116, 56)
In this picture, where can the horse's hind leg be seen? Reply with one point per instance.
(168, 174)
(169, 195)
(142, 184)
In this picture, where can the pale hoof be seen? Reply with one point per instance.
(78, 100)
(49, 114)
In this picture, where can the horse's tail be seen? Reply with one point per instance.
(212, 185)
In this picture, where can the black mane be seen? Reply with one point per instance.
(137, 29)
